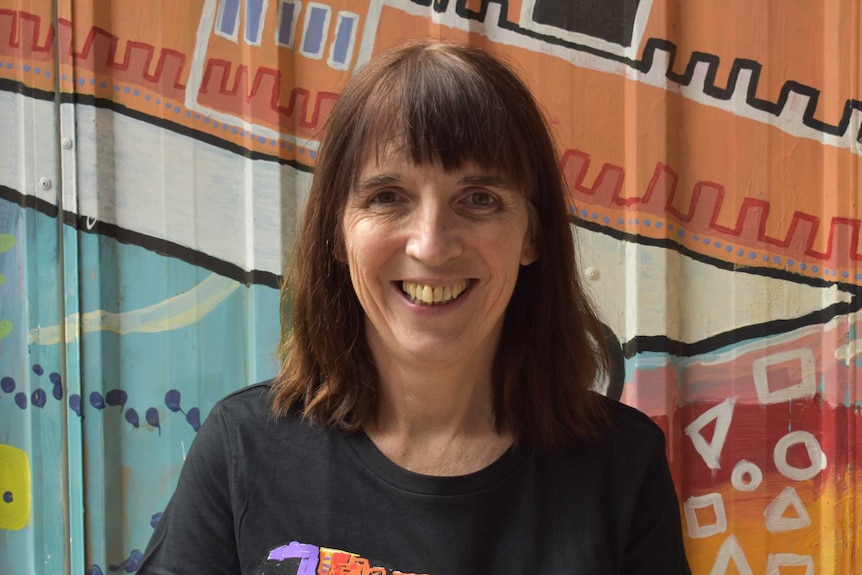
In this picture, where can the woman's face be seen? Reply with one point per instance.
(433, 258)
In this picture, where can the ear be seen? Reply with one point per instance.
(529, 249)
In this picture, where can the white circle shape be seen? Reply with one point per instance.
(746, 476)
(815, 456)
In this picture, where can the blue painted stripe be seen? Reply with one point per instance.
(312, 42)
(343, 37)
(253, 21)
(285, 24)
(228, 17)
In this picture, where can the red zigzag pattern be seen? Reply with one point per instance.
(704, 208)
(19, 37)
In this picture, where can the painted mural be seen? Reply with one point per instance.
(153, 157)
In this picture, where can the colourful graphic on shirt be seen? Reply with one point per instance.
(303, 559)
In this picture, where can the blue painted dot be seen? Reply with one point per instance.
(695, 237)
(776, 260)
(752, 255)
(670, 226)
(844, 274)
(117, 87)
(272, 142)
(584, 213)
(168, 105)
(103, 85)
(127, 90)
(233, 130)
(64, 76)
(740, 253)
(706, 241)
(215, 124)
(47, 73)
(312, 154)
(718, 245)
(791, 262)
(7, 384)
(729, 248)
(177, 109)
(595, 216)
(7, 496)
(658, 225)
(620, 222)
(224, 126)
(39, 398)
(680, 233)
(606, 220)
(261, 139)
(9, 67)
(647, 223)
(37, 369)
(158, 101)
(251, 135)
(197, 116)
(766, 258)
(147, 97)
(290, 147)
(37, 70)
(858, 277)
(136, 93)
(242, 134)
(188, 114)
(803, 266)
(637, 221)
(814, 268)
(21, 400)
(82, 81)
(26, 67)
(302, 151)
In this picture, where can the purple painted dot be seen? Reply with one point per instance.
(21, 400)
(7, 384)
(116, 397)
(132, 417)
(96, 400)
(7, 497)
(37, 369)
(172, 400)
(154, 520)
(55, 378)
(75, 404)
(194, 418)
(57, 392)
(152, 416)
(39, 398)
(95, 570)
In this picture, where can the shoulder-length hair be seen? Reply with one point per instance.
(446, 104)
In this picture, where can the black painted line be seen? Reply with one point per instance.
(160, 246)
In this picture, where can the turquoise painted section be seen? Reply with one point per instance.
(143, 393)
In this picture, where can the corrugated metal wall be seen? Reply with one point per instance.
(153, 156)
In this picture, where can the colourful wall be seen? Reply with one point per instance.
(153, 156)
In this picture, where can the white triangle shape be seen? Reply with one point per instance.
(730, 549)
(710, 451)
(777, 522)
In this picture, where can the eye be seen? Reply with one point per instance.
(384, 197)
(480, 199)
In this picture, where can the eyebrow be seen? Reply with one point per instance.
(389, 179)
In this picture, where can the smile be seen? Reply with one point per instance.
(424, 294)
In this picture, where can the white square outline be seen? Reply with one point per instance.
(261, 23)
(342, 16)
(297, 9)
(219, 20)
(325, 33)
(804, 389)
(695, 529)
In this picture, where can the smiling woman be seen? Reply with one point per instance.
(435, 409)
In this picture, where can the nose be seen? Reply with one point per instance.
(434, 235)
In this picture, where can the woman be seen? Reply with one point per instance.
(434, 412)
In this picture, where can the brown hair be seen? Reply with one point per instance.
(447, 104)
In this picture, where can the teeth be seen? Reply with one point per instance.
(427, 295)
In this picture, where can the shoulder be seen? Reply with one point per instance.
(627, 423)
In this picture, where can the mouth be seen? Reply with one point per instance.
(425, 294)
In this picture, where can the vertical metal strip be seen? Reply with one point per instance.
(70, 357)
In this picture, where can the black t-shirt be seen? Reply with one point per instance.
(259, 495)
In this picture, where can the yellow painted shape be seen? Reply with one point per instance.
(7, 242)
(6, 327)
(15, 487)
